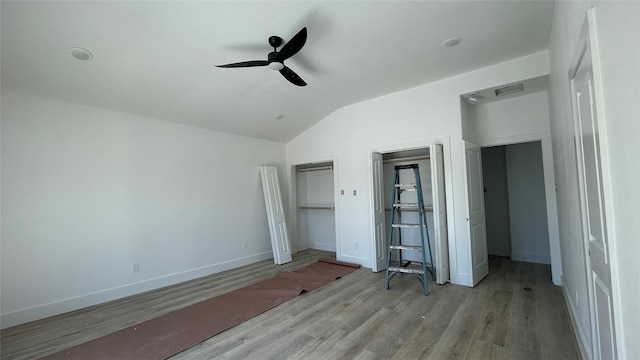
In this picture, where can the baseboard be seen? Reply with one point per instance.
(302, 245)
(532, 258)
(583, 344)
(59, 307)
(321, 246)
(364, 262)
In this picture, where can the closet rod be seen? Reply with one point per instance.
(316, 168)
(317, 207)
(411, 158)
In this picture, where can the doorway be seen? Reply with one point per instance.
(430, 162)
(516, 209)
(313, 205)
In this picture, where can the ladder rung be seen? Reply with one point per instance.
(406, 247)
(406, 225)
(406, 270)
(413, 205)
(407, 187)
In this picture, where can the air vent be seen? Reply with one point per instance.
(511, 89)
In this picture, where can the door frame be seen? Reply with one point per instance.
(448, 183)
(293, 201)
(549, 189)
(588, 39)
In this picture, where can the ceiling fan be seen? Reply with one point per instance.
(275, 59)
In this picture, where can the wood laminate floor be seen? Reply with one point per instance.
(514, 313)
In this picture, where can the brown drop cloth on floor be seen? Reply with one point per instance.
(169, 334)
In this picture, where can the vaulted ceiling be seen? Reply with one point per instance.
(156, 58)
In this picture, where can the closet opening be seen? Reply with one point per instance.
(314, 199)
(515, 202)
(431, 170)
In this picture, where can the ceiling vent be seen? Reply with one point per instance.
(511, 89)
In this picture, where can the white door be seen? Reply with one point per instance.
(275, 215)
(439, 214)
(592, 202)
(476, 226)
(377, 196)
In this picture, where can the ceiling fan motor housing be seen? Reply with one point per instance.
(274, 64)
(275, 41)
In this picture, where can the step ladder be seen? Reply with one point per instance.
(403, 265)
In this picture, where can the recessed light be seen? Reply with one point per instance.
(81, 54)
(452, 42)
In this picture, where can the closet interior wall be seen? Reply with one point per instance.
(316, 227)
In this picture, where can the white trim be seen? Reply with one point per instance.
(319, 168)
(321, 246)
(364, 262)
(532, 258)
(581, 338)
(588, 39)
(78, 302)
(514, 139)
(606, 179)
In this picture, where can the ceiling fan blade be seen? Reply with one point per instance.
(293, 46)
(245, 64)
(292, 77)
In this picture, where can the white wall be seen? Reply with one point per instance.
(404, 119)
(617, 29)
(527, 206)
(88, 192)
(527, 114)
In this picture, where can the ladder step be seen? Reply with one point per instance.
(406, 270)
(401, 225)
(405, 205)
(407, 187)
(406, 247)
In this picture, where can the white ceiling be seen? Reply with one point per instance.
(156, 58)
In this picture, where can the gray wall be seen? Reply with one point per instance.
(515, 204)
(527, 204)
(496, 200)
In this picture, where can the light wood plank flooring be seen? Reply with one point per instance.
(515, 313)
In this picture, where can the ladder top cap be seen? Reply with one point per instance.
(402, 167)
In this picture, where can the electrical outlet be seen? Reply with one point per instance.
(356, 246)
(135, 267)
(245, 245)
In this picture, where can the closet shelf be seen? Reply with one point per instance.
(316, 207)
(415, 208)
